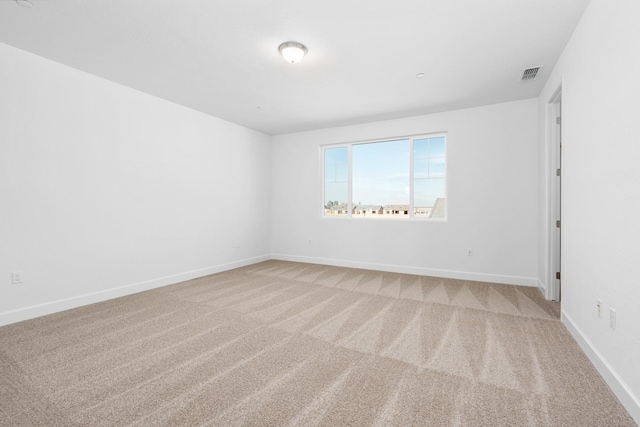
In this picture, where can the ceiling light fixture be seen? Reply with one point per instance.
(24, 3)
(419, 75)
(292, 51)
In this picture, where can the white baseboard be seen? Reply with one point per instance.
(31, 312)
(420, 271)
(628, 399)
(542, 288)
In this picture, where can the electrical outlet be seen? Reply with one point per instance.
(16, 277)
(599, 308)
(612, 318)
(469, 252)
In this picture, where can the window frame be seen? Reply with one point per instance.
(382, 217)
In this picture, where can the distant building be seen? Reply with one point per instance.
(439, 208)
(395, 210)
(337, 209)
(365, 210)
(422, 212)
(437, 211)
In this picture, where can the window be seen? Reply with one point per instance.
(335, 181)
(398, 178)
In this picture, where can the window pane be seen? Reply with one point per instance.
(342, 173)
(420, 168)
(329, 173)
(429, 174)
(381, 175)
(335, 198)
(335, 181)
(420, 148)
(330, 156)
(427, 191)
(341, 155)
(436, 147)
(436, 168)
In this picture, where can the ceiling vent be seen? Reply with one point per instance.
(530, 74)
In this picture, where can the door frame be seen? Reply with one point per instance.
(555, 133)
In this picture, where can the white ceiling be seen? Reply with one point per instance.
(221, 56)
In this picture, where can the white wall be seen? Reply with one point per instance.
(103, 187)
(600, 76)
(492, 200)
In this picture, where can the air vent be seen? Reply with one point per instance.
(530, 74)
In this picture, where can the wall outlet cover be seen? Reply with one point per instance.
(16, 277)
(612, 318)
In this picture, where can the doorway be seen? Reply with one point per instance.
(555, 131)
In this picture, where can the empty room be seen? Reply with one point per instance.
(331, 213)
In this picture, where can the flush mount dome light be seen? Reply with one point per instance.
(292, 51)
(24, 3)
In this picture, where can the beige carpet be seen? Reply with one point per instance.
(291, 344)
